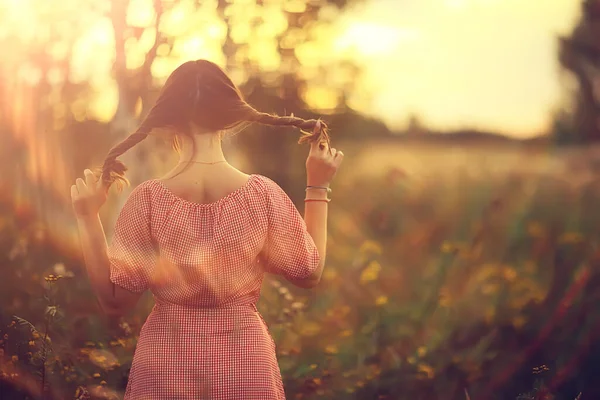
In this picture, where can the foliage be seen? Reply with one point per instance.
(580, 55)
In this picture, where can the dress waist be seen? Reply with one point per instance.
(188, 320)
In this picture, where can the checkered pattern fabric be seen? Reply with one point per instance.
(204, 264)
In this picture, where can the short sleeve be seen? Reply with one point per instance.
(289, 249)
(132, 253)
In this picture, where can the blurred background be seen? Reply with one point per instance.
(463, 256)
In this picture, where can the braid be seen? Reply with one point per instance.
(114, 170)
(307, 127)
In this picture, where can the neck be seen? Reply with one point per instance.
(204, 147)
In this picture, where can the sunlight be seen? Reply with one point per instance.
(368, 39)
(140, 13)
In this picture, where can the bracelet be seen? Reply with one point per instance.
(318, 187)
(324, 200)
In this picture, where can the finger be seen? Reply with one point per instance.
(319, 147)
(338, 158)
(90, 179)
(74, 192)
(81, 186)
(317, 127)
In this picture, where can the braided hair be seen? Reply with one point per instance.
(200, 92)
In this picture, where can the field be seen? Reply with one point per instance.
(453, 272)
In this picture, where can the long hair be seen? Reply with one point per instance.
(200, 92)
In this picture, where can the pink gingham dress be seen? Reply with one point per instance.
(204, 264)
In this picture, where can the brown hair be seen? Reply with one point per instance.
(201, 92)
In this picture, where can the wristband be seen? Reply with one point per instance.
(318, 187)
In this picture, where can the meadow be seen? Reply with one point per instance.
(454, 272)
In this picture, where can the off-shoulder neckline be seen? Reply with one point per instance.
(234, 193)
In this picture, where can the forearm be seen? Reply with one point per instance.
(95, 254)
(315, 216)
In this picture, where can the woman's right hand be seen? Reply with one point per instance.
(322, 163)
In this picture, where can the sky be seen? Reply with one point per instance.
(481, 64)
(484, 64)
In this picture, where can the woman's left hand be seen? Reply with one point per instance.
(88, 196)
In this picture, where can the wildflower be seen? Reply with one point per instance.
(313, 366)
(96, 375)
(519, 321)
(52, 278)
(283, 291)
(32, 342)
(381, 300)
(450, 248)
(421, 351)
(331, 349)
(540, 369)
(15, 358)
(427, 369)
(371, 272)
(509, 273)
(276, 284)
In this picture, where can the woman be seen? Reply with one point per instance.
(200, 239)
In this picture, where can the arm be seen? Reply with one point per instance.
(113, 299)
(315, 216)
(321, 167)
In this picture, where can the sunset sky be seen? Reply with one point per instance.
(489, 64)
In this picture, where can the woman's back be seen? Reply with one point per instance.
(209, 254)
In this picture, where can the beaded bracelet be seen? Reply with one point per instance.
(324, 200)
(318, 187)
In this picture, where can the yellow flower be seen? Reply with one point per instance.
(15, 358)
(32, 343)
(421, 351)
(96, 375)
(381, 300)
(371, 272)
(509, 273)
(331, 349)
(427, 369)
(450, 248)
(519, 321)
(346, 333)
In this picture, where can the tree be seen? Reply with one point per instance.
(87, 70)
(580, 54)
